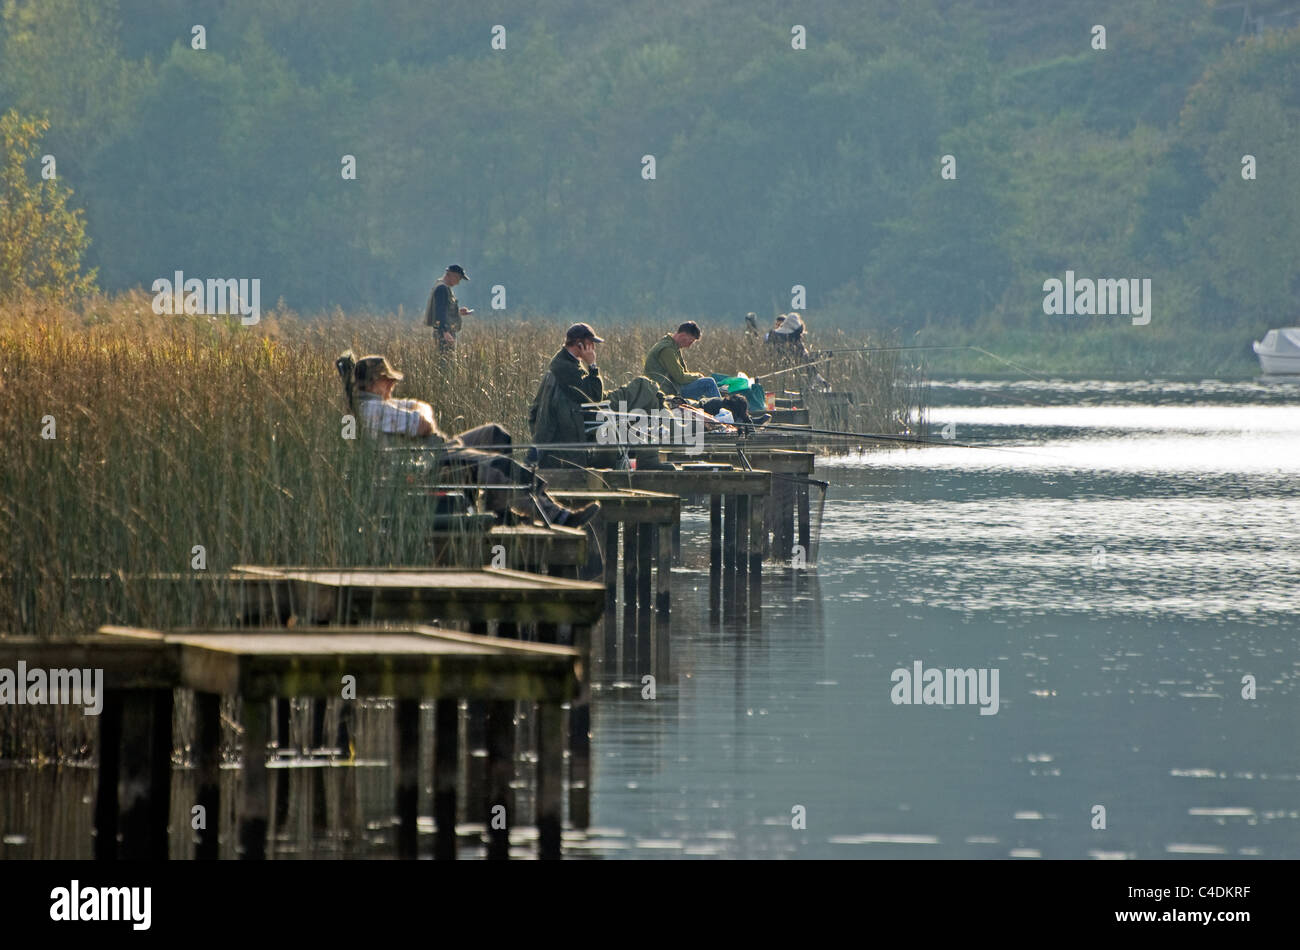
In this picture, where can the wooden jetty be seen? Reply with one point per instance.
(559, 609)
(737, 535)
(143, 667)
(790, 500)
(648, 521)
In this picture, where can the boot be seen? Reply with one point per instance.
(557, 514)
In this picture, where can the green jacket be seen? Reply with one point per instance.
(665, 365)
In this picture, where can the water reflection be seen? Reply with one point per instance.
(1128, 567)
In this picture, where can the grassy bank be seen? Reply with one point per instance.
(1114, 350)
(177, 432)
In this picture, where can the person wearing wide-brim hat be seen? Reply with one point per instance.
(443, 311)
(368, 384)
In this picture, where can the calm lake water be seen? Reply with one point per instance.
(1124, 563)
(1123, 558)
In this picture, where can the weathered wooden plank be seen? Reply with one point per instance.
(415, 594)
(418, 662)
(627, 506)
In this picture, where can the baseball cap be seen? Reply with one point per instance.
(580, 331)
(457, 269)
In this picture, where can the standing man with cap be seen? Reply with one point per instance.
(444, 312)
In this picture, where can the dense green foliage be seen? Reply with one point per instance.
(42, 240)
(775, 166)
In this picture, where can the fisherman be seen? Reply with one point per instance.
(769, 336)
(666, 366)
(751, 324)
(563, 411)
(443, 311)
(368, 384)
(788, 338)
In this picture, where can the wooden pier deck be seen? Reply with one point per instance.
(143, 667)
(560, 609)
(648, 521)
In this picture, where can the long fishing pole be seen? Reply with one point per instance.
(867, 436)
(891, 349)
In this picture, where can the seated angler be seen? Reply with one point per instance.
(667, 367)
(789, 342)
(563, 411)
(482, 452)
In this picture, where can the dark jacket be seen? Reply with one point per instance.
(556, 414)
(443, 310)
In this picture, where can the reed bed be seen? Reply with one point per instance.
(172, 432)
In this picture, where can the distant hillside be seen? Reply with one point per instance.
(773, 166)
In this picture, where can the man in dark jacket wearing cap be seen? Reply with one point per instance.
(559, 414)
(443, 312)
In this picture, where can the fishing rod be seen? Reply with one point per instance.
(877, 437)
(951, 346)
(830, 354)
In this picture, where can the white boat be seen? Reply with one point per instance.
(1279, 352)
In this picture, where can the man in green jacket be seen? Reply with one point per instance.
(666, 366)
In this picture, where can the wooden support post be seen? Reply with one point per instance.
(715, 554)
(283, 720)
(611, 592)
(729, 557)
(254, 805)
(145, 791)
(757, 538)
(785, 517)
(664, 572)
(347, 716)
(631, 548)
(446, 764)
(580, 736)
(742, 553)
(805, 528)
(110, 760)
(207, 761)
(645, 556)
(408, 782)
(318, 708)
(475, 805)
(550, 773)
(499, 802)
(648, 546)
